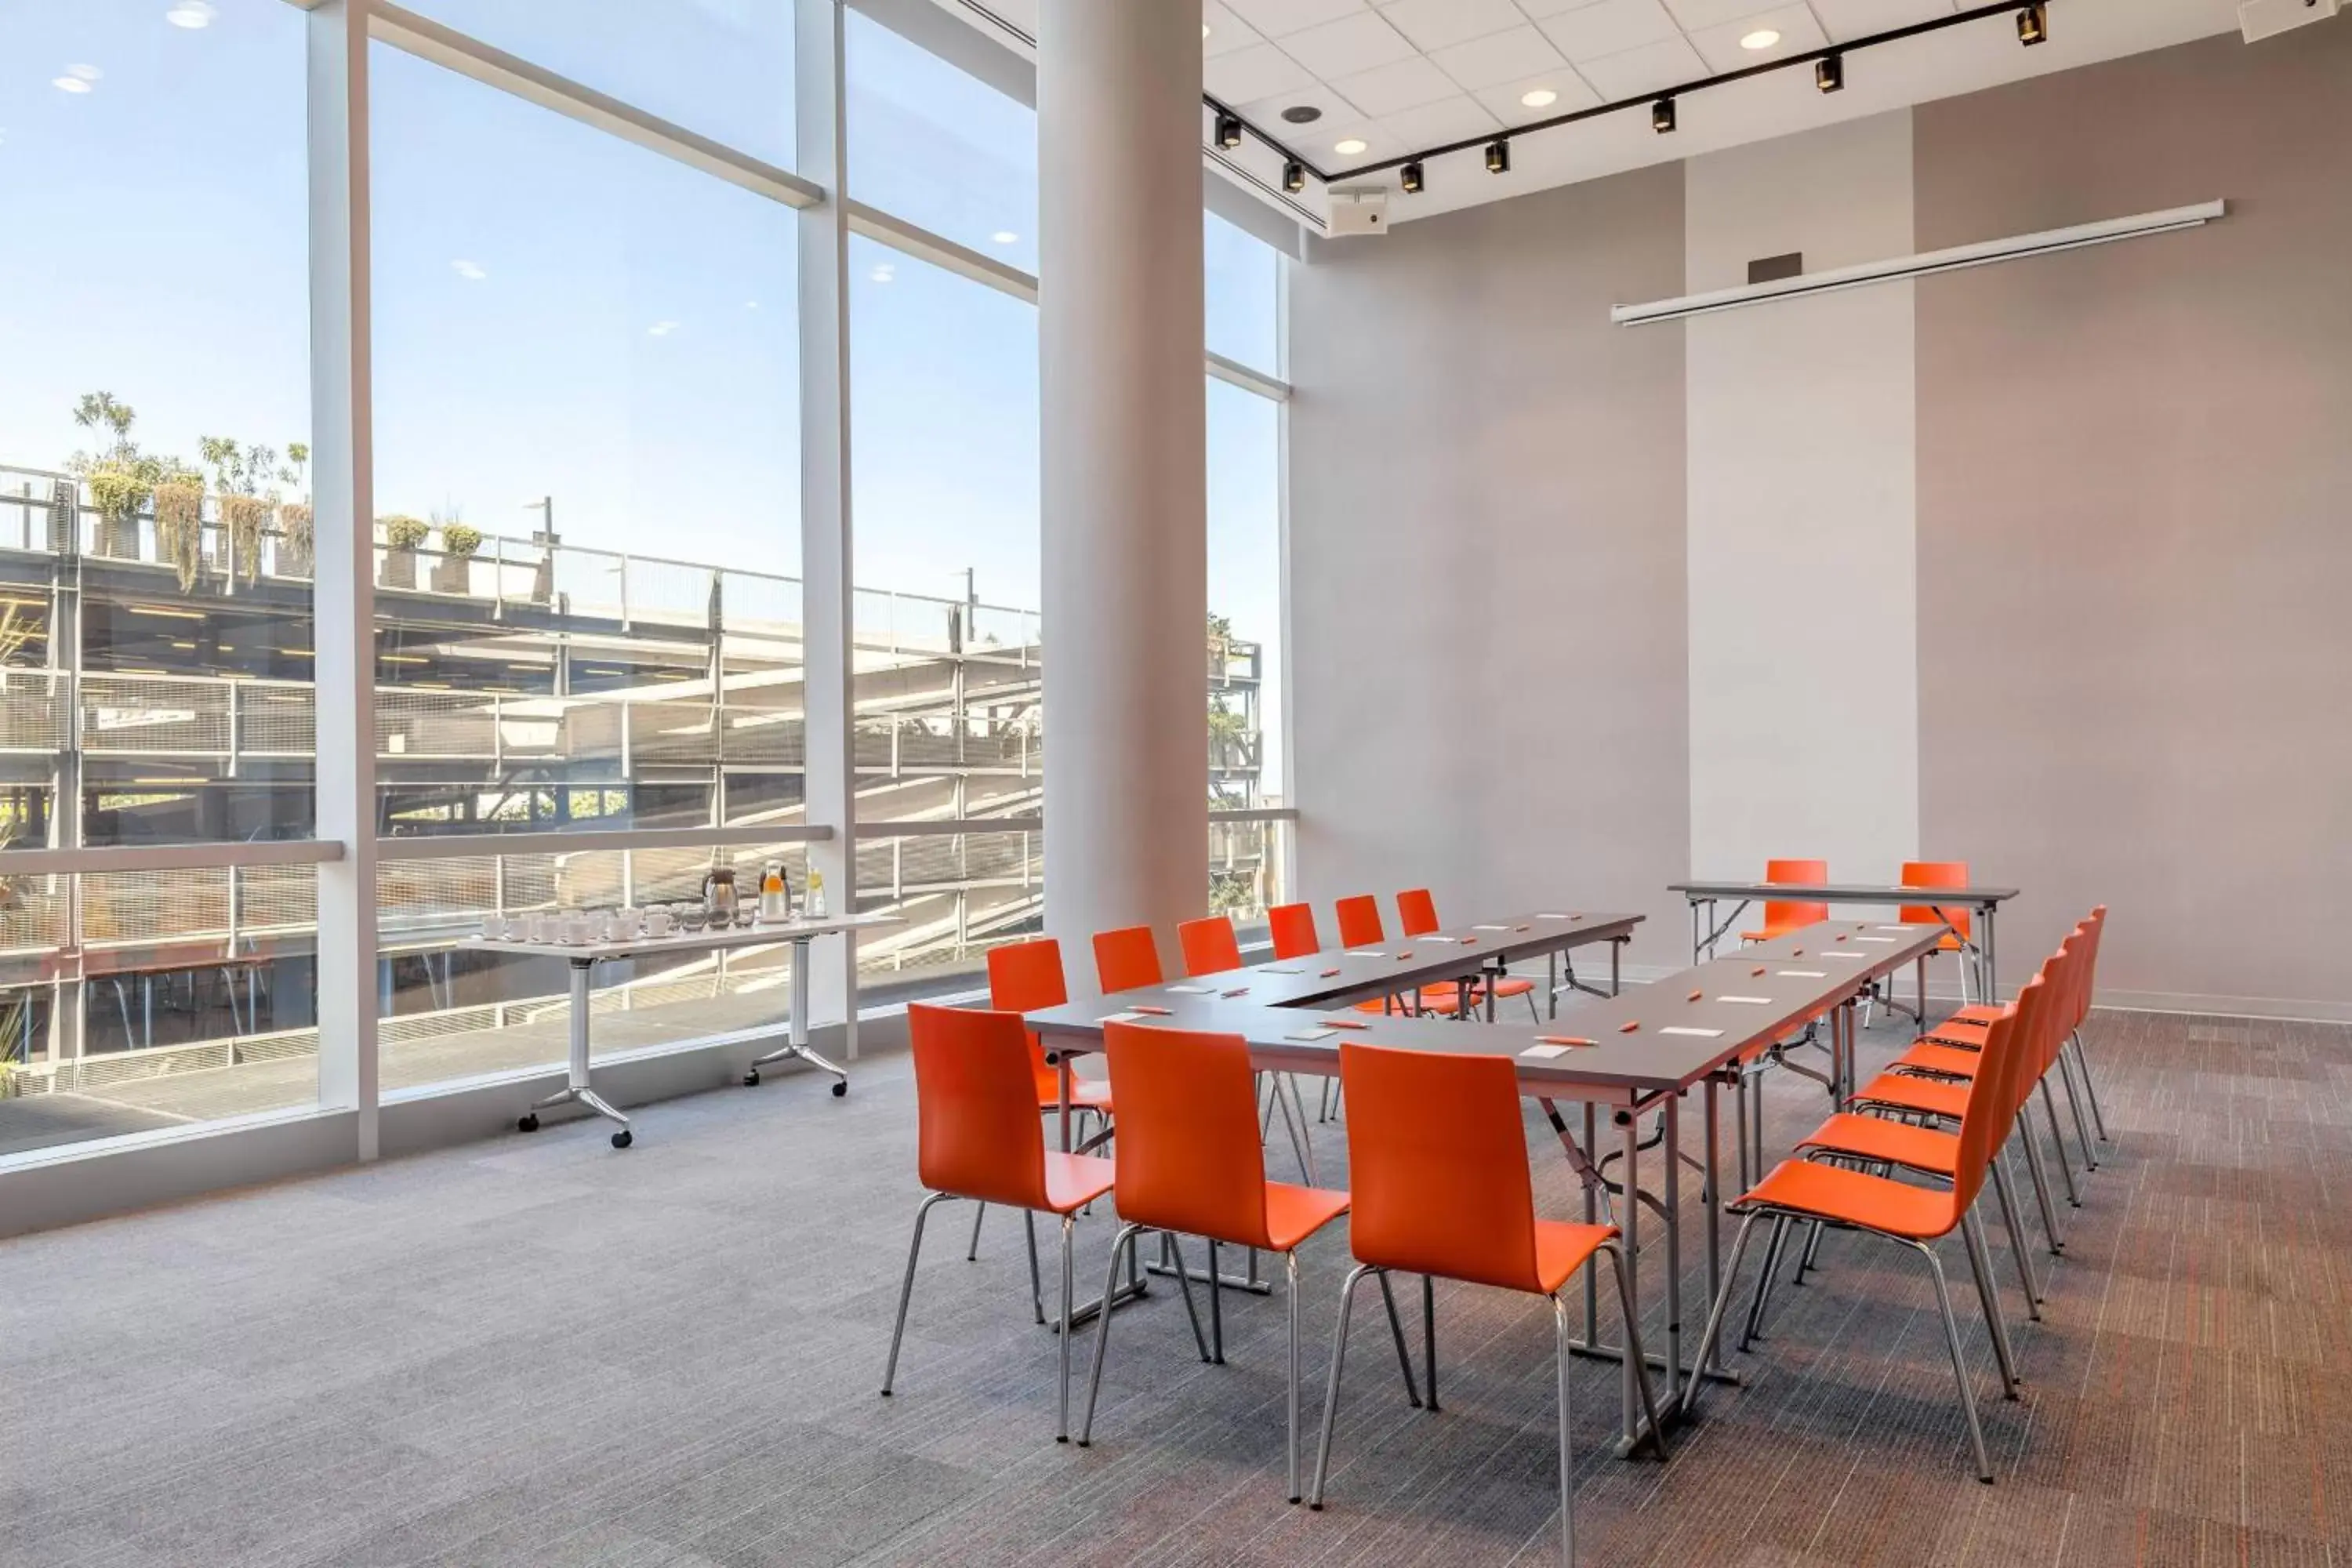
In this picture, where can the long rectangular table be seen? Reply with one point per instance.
(585, 956)
(1649, 1047)
(1983, 903)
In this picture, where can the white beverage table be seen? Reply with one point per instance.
(585, 956)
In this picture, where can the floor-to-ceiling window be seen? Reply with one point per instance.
(581, 428)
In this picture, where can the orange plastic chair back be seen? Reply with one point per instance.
(1188, 1156)
(1292, 926)
(1782, 913)
(1437, 1165)
(976, 1106)
(1359, 922)
(1993, 1094)
(1127, 959)
(1210, 946)
(1023, 976)
(1935, 874)
(2094, 927)
(1417, 912)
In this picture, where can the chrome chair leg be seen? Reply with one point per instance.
(2041, 1186)
(972, 1253)
(1429, 1339)
(1981, 1265)
(2006, 1190)
(1331, 1391)
(1959, 1362)
(1062, 1419)
(1567, 1467)
(1396, 1330)
(1755, 1326)
(2083, 1061)
(1036, 1285)
(1290, 1282)
(1216, 1309)
(907, 1288)
(2058, 1142)
(1713, 1331)
(2075, 1105)
(1125, 1238)
(1185, 1286)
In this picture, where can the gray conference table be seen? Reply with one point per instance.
(1983, 903)
(1647, 1049)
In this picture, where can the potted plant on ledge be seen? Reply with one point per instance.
(453, 574)
(296, 542)
(401, 535)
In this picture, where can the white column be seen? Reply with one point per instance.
(1124, 439)
(829, 780)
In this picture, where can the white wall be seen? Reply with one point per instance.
(1804, 691)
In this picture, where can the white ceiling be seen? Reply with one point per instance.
(1407, 75)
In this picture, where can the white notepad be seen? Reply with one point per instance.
(1121, 1018)
(1191, 990)
(1757, 1001)
(1896, 928)
(1490, 927)
(1365, 952)
(1544, 1053)
(1276, 969)
(1556, 917)
(1888, 940)
(1806, 973)
(1684, 1029)
(1312, 1035)
(1856, 957)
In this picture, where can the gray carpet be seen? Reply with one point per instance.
(543, 1351)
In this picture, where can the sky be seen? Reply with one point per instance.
(559, 313)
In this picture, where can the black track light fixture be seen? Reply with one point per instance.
(1229, 132)
(1829, 73)
(2033, 25)
(1409, 177)
(1294, 177)
(1661, 116)
(1498, 157)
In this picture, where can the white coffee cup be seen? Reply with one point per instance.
(494, 928)
(534, 927)
(656, 922)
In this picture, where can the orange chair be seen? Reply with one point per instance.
(1417, 916)
(1969, 1024)
(1782, 916)
(1359, 922)
(1023, 977)
(1438, 1160)
(1210, 946)
(1292, 926)
(1806, 1191)
(978, 1136)
(1127, 958)
(1189, 1164)
(1940, 874)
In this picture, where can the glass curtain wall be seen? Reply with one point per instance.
(584, 552)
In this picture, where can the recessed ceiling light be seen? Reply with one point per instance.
(1005, 236)
(1348, 146)
(190, 13)
(1539, 98)
(1762, 38)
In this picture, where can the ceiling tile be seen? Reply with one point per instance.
(1504, 103)
(1386, 89)
(1434, 24)
(1322, 148)
(1259, 71)
(1227, 32)
(1633, 72)
(1457, 119)
(1349, 44)
(1695, 15)
(1849, 20)
(1719, 46)
(1539, 9)
(1610, 27)
(1276, 17)
(1503, 57)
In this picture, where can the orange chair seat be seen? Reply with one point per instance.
(1854, 1197)
(1976, 1016)
(1877, 1138)
(1074, 1180)
(1922, 1094)
(1970, 1030)
(1086, 1094)
(1562, 1248)
(1769, 933)
(1293, 1214)
(1952, 1061)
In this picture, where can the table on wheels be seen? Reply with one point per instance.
(1639, 1051)
(583, 958)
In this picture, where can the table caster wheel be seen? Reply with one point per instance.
(622, 1139)
(841, 1089)
(751, 1078)
(528, 1122)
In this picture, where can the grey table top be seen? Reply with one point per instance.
(1674, 1039)
(1843, 893)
